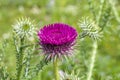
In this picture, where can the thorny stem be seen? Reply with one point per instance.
(91, 7)
(100, 10)
(20, 59)
(94, 52)
(114, 10)
(55, 63)
(92, 60)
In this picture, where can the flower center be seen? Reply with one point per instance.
(55, 32)
(25, 27)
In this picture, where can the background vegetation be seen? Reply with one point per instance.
(107, 65)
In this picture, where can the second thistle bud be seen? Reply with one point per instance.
(24, 27)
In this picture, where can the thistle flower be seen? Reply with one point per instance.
(57, 39)
(24, 27)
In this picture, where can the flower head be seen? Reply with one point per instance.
(57, 39)
(24, 27)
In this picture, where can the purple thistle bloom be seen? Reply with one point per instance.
(57, 39)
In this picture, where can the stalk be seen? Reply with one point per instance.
(114, 11)
(20, 66)
(55, 63)
(94, 52)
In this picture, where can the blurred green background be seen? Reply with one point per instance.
(70, 12)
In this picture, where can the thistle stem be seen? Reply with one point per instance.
(115, 11)
(92, 60)
(20, 59)
(55, 63)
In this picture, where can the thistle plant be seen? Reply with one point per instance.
(55, 43)
(93, 28)
(57, 40)
(23, 29)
